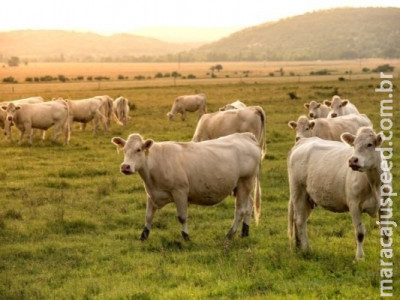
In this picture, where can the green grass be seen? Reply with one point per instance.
(70, 222)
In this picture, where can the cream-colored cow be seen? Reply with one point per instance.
(202, 173)
(330, 128)
(188, 103)
(340, 107)
(249, 119)
(121, 109)
(335, 177)
(27, 117)
(317, 110)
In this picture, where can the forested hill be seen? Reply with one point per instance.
(342, 33)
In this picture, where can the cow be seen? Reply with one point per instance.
(249, 119)
(86, 110)
(30, 100)
(234, 105)
(27, 117)
(196, 173)
(330, 128)
(317, 110)
(190, 103)
(336, 177)
(121, 109)
(339, 107)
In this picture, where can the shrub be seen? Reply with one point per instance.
(383, 68)
(62, 78)
(293, 96)
(36, 79)
(167, 75)
(9, 79)
(28, 79)
(47, 78)
(158, 75)
(366, 70)
(191, 76)
(341, 79)
(79, 78)
(271, 74)
(121, 77)
(139, 77)
(321, 72)
(90, 78)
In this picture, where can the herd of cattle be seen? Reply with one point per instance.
(333, 163)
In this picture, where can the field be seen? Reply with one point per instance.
(70, 221)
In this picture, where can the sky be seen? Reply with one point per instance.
(153, 17)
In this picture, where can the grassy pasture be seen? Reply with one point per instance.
(70, 222)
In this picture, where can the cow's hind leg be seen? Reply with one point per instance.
(359, 230)
(301, 211)
(150, 211)
(247, 218)
(243, 190)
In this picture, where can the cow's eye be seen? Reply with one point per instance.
(369, 145)
(138, 150)
(307, 128)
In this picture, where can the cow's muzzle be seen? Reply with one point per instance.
(353, 164)
(10, 118)
(334, 115)
(126, 169)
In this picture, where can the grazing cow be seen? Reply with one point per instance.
(328, 129)
(234, 105)
(249, 119)
(30, 100)
(336, 177)
(317, 110)
(197, 173)
(189, 103)
(42, 116)
(86, 110)
(121, 109)
(107, 110)
(339, 107)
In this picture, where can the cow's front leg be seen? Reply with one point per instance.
(184, 115)
(181, 202)
(150, 211)
(359, 230)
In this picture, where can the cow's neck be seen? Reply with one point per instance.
(374, 179)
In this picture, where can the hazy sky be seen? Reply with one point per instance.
(111, 16)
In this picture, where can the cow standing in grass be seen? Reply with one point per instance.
(188, 103)
(340, 107)
(336, 177)
(197, 173)
(121, 109)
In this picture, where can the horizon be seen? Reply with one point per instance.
(173, 22)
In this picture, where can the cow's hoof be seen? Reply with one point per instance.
(185, 236)
(145, 234)
(230, 234)
(245, 230)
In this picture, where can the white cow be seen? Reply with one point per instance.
(121, 109)
(249, 119)
(197, 173)
(317, 110)
(86, 110)
(330, 128)
(336, 177)
(340, 107)
(27, 117)
(30, 100)
(234, 105)
(190, 103)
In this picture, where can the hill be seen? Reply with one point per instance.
(343, 33)
(58, 45)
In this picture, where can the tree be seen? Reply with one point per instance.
(13, 61)
(218, 67)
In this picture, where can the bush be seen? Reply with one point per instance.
(139, 77)
(47, 78)
(100, 78)
(271, 74)
(79, 78)
(293, 96)
(167, 75)
(132, 106)
(28, 79)
(383, 68)
(320, 72)
(121, 77)
(90, 78)
(191, 76)
(36, 79)
(158, 75)
(9, 79)
(62, 78)
(365, 70)
(341, 79)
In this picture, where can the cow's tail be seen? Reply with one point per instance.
(263, 141)
(257, 196)
(67, 126)
(290, 223)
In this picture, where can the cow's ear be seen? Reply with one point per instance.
(379, 139)
(292, 124)
(306, 105)
(147, 144)
(119, 142)
(311, 124)
(344, 103)
(348, 138)
(17, 107)
(4, 107)
(327, 102)
(318, 105)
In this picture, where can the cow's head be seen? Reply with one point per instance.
(135, 151)
(336, 106)
(364, 157)
(313, 109)
(10, 109)
(170, 116)
(303, 127)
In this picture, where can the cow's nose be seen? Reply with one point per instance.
(126, 169)
(334, 115)
(311, 115)
(353, 161)
(9, 118)
(297, 138)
